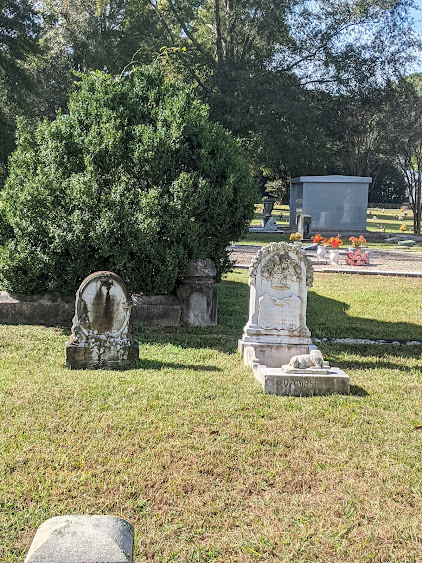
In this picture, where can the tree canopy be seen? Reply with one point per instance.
(297, 81)
(134, 178)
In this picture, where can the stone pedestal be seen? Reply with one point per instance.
(82, 539)
(276, 382)
(101, 332)
(197, 294)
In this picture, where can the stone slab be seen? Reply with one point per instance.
(47, 310)
(82, 539)
(275, 381)
(156, 310)
(270, 354)
(261, 230)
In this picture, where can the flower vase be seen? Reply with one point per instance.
(297, 243)
(334, 256)
(321, 252)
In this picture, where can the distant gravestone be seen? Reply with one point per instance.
(82, 539)
(276, 342)
(304, 226)
(197, 294)
(101, 332)
(270, 225)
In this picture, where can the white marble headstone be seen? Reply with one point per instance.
(279, 277)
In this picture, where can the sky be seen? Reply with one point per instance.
(417, 15)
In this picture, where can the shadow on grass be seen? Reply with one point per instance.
(143, 363)
(325, 317)
(329, 318)
(358, 391)
(372, 357)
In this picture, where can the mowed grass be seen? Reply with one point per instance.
(376, 219)
(209, 469)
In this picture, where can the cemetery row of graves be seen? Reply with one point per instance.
(281, 424)
(184, 444)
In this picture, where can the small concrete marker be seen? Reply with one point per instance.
(82, 539)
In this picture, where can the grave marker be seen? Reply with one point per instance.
(101, 332)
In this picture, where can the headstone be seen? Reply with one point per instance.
(82, 539)
(101, 332)
(279, 277)
(197, 294)
(276, 342)
(268, 222)
(269, 225)
(304, 226)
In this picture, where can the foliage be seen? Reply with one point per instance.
(18, 39)
(135, 179)
(388, 185)
(403, 138)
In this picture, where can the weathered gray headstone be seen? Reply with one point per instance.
(82, 539)
(304, 226)
(101, 332)
(268, 222)
(270, 225)
(197, 294)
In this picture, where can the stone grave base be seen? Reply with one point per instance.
(275, 381)
(87, 539)
(88, 357)
(271, 354)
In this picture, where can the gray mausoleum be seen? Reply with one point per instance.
(335, 203)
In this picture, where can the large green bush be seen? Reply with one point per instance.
(135, 178)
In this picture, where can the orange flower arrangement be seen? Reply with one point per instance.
(319, 239)
(334, 242)
(356, 242)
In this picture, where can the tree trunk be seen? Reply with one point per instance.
(230, 29)
(218, 40)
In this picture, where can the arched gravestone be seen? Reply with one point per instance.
(279, 277)
(101, 332)
(276, 342)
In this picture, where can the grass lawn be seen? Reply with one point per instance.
(207, 468)
(376, 218)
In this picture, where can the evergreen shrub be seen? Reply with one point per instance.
(135, 179)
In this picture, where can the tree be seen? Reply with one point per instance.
(388, 186)
(135, 179)
(18, 39)
(255, 63)
(403, 137)
(85, 35)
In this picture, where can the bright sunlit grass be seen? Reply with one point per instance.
(187, 447)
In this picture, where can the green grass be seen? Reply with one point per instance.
(207, 468)
(385, 218)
